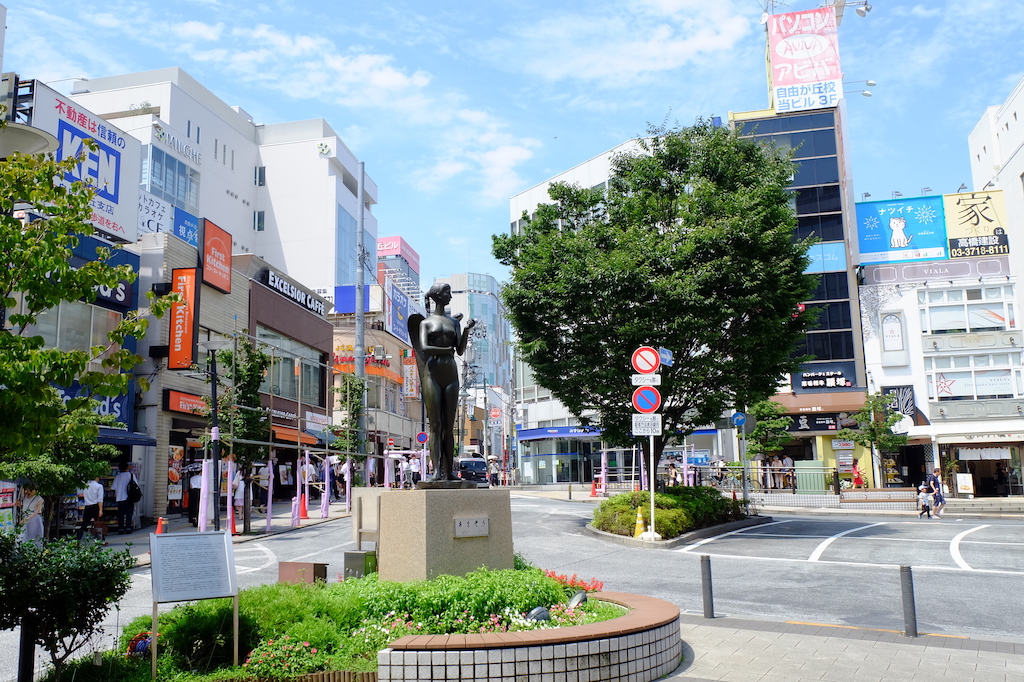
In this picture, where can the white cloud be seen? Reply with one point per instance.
(190, 30)
(615, 43)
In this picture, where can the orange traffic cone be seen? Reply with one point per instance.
(233, 531)
(636, 488)
(160, 526)
(593, 488)
(303, 514)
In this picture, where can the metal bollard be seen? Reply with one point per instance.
(909, 607)
(570, 491)
(705, 579)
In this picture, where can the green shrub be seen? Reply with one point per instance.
(639, 498)
(617, 520)
(199, 635)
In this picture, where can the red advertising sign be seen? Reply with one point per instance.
(179, 401)
(804, 54)
(216, 257)
(182, 343)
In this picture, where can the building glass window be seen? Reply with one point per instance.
(74, 325)
(983, 376)
(259, 221)
(976, 309)
(260, 176)
(171, 180)
(295, 365)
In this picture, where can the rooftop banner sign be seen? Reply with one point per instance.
(804, 55)
(112, 168)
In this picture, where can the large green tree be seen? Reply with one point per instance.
(771, 428)
(36, 275)
(690, 247)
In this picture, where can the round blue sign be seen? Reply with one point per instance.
(421, 437)
(738, 419)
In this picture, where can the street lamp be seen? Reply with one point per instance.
(211, 346)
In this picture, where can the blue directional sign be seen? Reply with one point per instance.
(666, 356)
(738, 419)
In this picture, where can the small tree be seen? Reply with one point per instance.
(242, 413)
(58, 592)
(770, 431)
(874, 428)
(71, 458)
(36, 275)
(349, 404)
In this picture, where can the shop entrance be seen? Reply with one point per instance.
(912, 465)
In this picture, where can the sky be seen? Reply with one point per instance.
(455, 107)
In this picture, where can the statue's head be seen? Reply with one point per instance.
(441, 294)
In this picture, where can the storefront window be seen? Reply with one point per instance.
(296, 367)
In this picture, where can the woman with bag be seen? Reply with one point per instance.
(126, 493)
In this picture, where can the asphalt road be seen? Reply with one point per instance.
(968, 576)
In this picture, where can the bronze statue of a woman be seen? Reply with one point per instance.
(436, 339)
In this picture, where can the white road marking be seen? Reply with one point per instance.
(954, 547)
(269, 561)
(824, 545)
(325, 549)
(724, 535)
(860, 564)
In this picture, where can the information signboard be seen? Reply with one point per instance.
(187, 566)
(647, 424)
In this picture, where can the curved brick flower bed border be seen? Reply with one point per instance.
(644, 644)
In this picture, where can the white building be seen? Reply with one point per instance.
(286, 192)
(944, 333)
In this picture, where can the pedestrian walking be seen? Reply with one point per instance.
(924, 500)
(92, 499)
(125, 503)
(935, 483)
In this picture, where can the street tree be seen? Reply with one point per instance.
(691, 247)
(246, 423)
(771, 428)
(58, 592)
(349, 405)
(36, 275)
(68, 461)
(874, 428)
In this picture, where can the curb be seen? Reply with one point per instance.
(828, 511)
(684, 539)
(143, 560)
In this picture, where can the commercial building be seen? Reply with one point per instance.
(287, 192)
(940, 301)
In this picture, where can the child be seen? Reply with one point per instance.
(924, 498)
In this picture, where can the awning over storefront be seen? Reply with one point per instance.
(293, 435)
(111, 436)
(978, 433)
(324, 437)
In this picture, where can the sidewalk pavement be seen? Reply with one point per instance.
(747, 650)
(137, 542)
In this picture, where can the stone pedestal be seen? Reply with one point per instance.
(427, 533)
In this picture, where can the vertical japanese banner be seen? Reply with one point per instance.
(804, 55)
(976, 224)
(175, 457)
(182, 342)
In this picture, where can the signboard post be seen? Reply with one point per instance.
(188, 566)
(738, 420)
(646, 400)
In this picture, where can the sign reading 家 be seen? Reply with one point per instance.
(976, 224)
(804, 55)
(472, 527)
(111, 167)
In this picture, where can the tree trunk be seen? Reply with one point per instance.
(26, 655)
